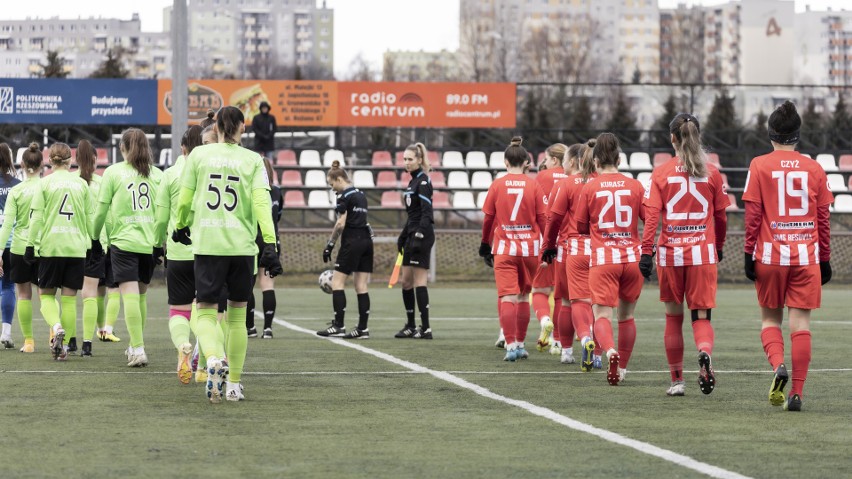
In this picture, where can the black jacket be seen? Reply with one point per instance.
(264, 127)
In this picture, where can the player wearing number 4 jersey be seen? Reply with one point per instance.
(689, 195)
(609, 210)
(515, 216)
(787, 248)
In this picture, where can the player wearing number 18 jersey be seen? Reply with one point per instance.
(787, 247)
(609, 210)
(515, 215)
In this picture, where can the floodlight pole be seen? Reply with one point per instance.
(180, 59)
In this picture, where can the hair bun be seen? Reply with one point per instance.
(335, 164)
(591, 143)
(34, 147)
(516, 141)
(211, 113)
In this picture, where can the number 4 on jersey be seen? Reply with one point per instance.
(65, 208)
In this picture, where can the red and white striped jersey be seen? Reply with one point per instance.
(563, 201)
(548, 178)
(790, 187)
(515, 201)
(612, 205)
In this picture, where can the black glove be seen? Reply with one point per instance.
(749, 267)
(646, 265)
(400, 241)
(415, 244)
(29, 256)
(97, 250)
(825, 271)
(719, 255)
(270, 261)
(158, 254)
(549, 255)
(182, 236)
(489, 261)
(326, 253)
(485, 254)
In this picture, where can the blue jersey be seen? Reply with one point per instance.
(6, 184)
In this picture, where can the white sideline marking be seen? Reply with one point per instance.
(643, 447)
(493, 319)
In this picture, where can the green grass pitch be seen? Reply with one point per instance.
(318, 409)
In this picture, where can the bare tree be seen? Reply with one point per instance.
(682, 48)
(388, 67)
(360, 70)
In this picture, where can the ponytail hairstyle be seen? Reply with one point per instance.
(516, 155)
(210, 120)
(60, 155)
(136, 150)
(209, 135)
(784, 124)
(229, 122)
(557, 151)
(419, 150)
(32, 159)
(573, 155)
(687, 134)
(191, 138)
(606, 150)
(587, 161)
(336, 172)
(267, 163)
(86, 157)
(7, 167)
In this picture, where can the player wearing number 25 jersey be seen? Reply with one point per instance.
(609, 210)
(515, 216)
(787, 247)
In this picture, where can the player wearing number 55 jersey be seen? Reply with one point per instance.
(689, 195)
(787, 247)
(609, 210)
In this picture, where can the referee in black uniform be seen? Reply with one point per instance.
(355, 255)
(416, 241)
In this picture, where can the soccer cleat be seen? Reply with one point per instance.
(201, 376)
(521, 352)
(108, 337)
(63, 355)
(543, 343)
(501, 340)
(332, 331)
(556, 348)
(356, 333)
(793, 403)
(267, 334)
(72, 346)
(29, 346)
(567, 356)
(56, 342)
(423, 334)
(216, 371)
(406, 332)
(137, 359)
(234, 392)
(184, 365)
(87, 349)
(195, 357)
(612, 374)
(586, 357)
(776, 389)
(511, 355)
(678, 388)
(7, 343)
(706, 376)
(597, 362)
(252, 332)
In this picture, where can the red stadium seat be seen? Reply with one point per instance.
(661, 159)
(291, 178)
(850, 183)
(733, 206)
(399, 161)
(286, 157)
(434, 159)
(387, 179)
(391, 199)
(845, 163)
(438, 179)
(294, 199)
(382, 158)
(103, 155)
(713, 159)
(441, 200)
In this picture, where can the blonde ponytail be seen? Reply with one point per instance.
(420, 153)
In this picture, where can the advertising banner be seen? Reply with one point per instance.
(81, 102)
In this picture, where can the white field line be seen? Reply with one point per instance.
(643, 447)
(493, 319)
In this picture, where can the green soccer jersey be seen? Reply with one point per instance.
(223, 177)
(17, 215)
(167, 198)
(130, 197)
(94, 193)
(60, 226)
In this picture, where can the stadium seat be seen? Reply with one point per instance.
(480, 199)
(387, 179)
(441, 200)
(844, 164)
(458, 180)
(19, 155)
(826, 160)
(45, 154)
(438, 179)
(733, 206)
(463, 200)
(480, 180)
(382, 158)
(363, 179)
(453, 159)
(713, 159)
(661, 159)
(102, 156)
(391, 199)
(849, 186)
(331, 155)
(165, 156)
(476, 160)
(622, 161)
(434, 159)
(294, 199)
(627, 174)
(286, 157)
(315, 179)
(291, 178)
(639, 160)
(319, 199)
(843, 203)
(836, 183)
(645, 179)
(310, 158)
(495, 161)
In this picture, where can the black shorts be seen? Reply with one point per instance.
(127, 266)
(109, 281)
(212, 273)
(61, 273)
(180, 281)
(21, 272)
(421, 259)
(95, 269)
(356, 253)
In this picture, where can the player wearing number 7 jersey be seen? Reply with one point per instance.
(787, 247)
(609, 210)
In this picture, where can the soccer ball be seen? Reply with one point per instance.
(325, 281)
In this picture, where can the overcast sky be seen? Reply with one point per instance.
(369, 27)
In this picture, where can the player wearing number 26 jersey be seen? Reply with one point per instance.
(609, 210)
(787, 247)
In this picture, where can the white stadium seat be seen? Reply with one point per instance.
(627, 174)
(165, 156)
(476, 160)
(480, 199)
(331, 155)
(843, 203)
(458, 180)
(622, 161)
(363, 179)
(310, 158)
(495, 161)
(826, 160)
(836, 183)
(315, 179)
(463, 200)
(480, 180)
(639, 160)
(319, 199)
(452, 159)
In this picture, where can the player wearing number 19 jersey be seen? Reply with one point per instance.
(787, 247)
(609, 210)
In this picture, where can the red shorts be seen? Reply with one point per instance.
(544, 277)
(514, 274)
(612, 282)
(560, 273)
(791, 286)
(577, 272)
(696, 283)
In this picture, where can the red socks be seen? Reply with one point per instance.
(557, 313)
(523, 320)
(603, 334)
(702, 331)
(581, 317)
(541, 304)
(673, 338)
(773, 345)
(626, 340)
(801, 353)
(509, 320)
(566, 326)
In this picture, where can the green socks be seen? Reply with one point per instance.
(179, 329)
(143, 308)
(25, 317)
(193, 325)
(49, 309)
(133, 318)
(69, 316)
(112, 307)
(101, 312)
(90, 317)
(237, 342)
(209, 334)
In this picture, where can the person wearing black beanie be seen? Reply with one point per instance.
(787, 248)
